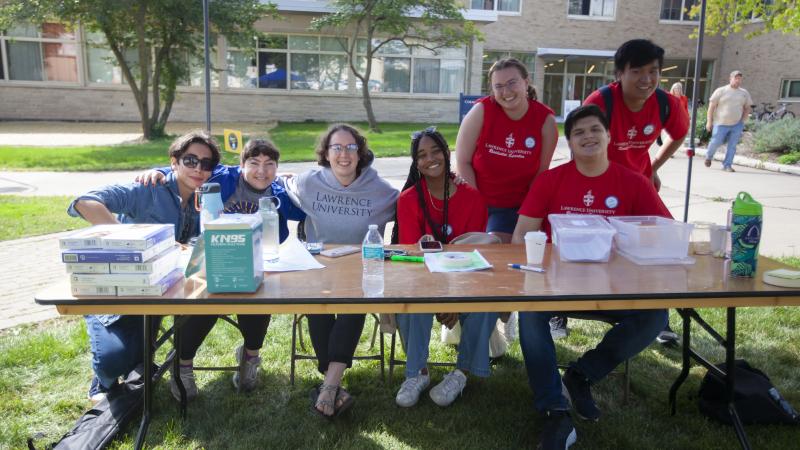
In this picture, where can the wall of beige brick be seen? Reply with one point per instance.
(765, 61)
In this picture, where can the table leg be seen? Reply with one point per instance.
(687, 362)
(176, 364)
(148, 382)
(730, 379)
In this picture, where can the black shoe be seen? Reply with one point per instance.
(667, 337)
(580, 394)
(558, 327)
(558, 432)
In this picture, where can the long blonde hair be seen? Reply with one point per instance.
(678, 86)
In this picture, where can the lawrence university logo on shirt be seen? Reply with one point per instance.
(587, 200)
(509, 151)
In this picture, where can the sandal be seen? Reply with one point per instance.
(342, 403)
(325, 403)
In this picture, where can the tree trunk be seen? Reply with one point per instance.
(373, 122)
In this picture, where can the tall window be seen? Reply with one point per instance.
(497, 5)
(492, 56)
(592, 8)
(790, 90)
(677, 10)
(573, 78)
(103, 65)
(682, 71)
(46, 52)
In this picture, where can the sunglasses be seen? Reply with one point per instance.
(418, 134)
(191, 161)
(339, 148)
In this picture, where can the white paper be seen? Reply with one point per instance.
(436, 262)
(292, 256)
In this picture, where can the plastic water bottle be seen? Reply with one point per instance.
(745, 235)
(372, 263)
(270, 232)
(210, 203)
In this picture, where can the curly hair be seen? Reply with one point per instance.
(364, 153)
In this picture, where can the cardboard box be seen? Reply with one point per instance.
(233, 253)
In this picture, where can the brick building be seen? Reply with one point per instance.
(53, 72)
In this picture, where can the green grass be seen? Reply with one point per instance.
(31, 216)
(44, 374)
(295, 140)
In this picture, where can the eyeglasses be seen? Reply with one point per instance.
(511, 84)
(418, 134)
(339, 148)
(191, 161)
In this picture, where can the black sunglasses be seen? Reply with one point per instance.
(191, 161)
(417, 134)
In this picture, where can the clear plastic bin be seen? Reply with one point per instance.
(652, 237)
(581, 237)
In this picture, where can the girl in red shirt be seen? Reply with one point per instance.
(431, 203)
(504, 142)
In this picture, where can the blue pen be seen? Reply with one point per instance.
(527, 268)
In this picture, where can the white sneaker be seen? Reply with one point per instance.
(445, 393)
(408, 395)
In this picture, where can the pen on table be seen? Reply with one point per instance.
(404, 258)
(527, 268)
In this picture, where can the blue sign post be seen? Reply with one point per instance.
(465, 103)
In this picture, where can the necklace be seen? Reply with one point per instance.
(433, 205)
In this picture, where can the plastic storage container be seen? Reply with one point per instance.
(652, 237)
(581, 237)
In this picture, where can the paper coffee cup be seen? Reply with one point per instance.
(534, 246)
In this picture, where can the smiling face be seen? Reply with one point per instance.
(510, 88)
(639, 83)
(430, 158)
(191, 178)
(343, 156)
(588, 139)
(259, 171)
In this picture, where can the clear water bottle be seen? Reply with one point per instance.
(270, 233)
(372, 263)
(210, 203)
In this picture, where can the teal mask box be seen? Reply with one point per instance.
(233, 253)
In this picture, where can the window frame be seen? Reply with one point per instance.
(76, 41)
(788, 82)
(498, 11)
(601, 18)
(692, 22)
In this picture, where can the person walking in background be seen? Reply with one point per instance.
(677, 91)
(504, 142)
(728, 107)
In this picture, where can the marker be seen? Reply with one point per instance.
(527, 268)
(403, 258)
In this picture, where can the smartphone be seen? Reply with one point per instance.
(430, 246)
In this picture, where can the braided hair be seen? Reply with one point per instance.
(415, 179)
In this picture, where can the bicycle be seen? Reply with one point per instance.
(771, 115)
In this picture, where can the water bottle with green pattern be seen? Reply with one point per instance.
(745, 235)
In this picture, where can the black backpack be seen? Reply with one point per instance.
(756, 399)
(661, 97)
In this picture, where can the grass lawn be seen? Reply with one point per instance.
(31, 216)
(44, 375)
(295, 140)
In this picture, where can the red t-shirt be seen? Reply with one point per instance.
(632, 133)
(508, 152)
(617, 192)
(466, 211)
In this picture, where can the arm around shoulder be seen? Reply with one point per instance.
(468, 134)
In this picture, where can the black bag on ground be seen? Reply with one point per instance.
(99, 425)
(756, 399)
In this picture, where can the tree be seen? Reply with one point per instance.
(730, 16)
(161, 33)
(431, 24)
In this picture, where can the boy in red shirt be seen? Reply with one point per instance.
(591, 184)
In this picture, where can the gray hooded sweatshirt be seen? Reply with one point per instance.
(336, 214)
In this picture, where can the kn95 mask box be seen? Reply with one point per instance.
(233, 253)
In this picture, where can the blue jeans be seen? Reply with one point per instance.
(502, 219)
(634, 331)
(721, 133)
(116, 348)
(473, 350)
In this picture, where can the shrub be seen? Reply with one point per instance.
(791, 158)
(700, 132)
(782, 136)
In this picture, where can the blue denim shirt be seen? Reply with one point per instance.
(136, 203)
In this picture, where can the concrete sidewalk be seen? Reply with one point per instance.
(27, 265)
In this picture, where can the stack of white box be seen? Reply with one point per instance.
(122, 259)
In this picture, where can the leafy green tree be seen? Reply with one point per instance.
(162, 34)
(730, 16)
(364, 27)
